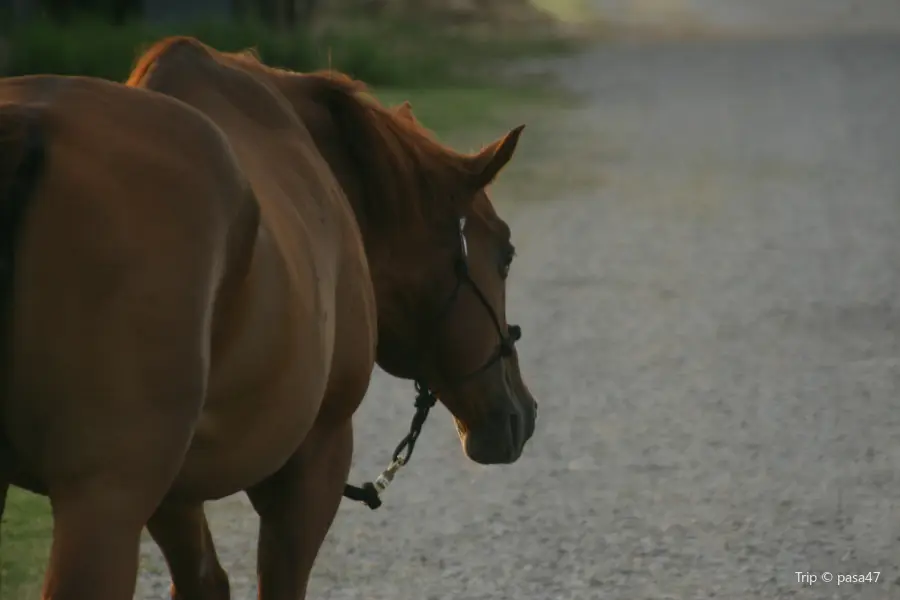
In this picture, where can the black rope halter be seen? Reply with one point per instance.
(370, 492)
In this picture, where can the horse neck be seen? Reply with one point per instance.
(359, 191)
(371, 181)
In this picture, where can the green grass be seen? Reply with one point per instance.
(571, 11)
(391, 53)
(451, 112)
(24, 545)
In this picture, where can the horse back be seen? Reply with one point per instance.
(305, 321)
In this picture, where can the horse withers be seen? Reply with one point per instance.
(204, 266)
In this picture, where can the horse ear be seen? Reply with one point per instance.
(405, 111)
(487, 164)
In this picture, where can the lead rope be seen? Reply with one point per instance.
(370, 492)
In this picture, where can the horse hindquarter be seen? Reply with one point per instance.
(116, 272)
(21, 162)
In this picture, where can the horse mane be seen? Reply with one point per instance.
(410, 178)
(147, 59)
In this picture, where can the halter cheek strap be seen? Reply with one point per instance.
(370, 493)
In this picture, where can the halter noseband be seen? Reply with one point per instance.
(370, 492)
(513, 332)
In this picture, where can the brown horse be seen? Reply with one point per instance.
(198, 284)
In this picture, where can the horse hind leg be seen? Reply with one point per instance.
(100, 511)
(296, 507)
(110, 443)
(182, 533)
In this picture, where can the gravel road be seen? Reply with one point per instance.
(708, 283)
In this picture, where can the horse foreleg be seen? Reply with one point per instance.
(296, 507)
(182, 534)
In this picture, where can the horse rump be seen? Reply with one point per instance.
(22, 157)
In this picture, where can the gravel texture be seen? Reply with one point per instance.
(708, 284)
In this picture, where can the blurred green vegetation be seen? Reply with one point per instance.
(24, 545)
(470, 117)
(379, 52)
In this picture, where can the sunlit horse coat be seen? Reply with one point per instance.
(198, 284)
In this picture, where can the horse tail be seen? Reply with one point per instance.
(22, 157)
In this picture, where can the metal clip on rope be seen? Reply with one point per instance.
(370, 492)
